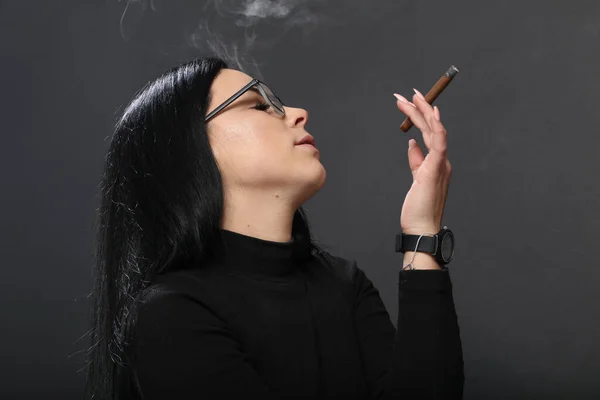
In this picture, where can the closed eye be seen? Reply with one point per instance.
(262, 106)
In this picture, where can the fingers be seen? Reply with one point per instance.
(439, 141)
(422, 104)
(427, 119)
(413, 111)
(415, 157)
(427, 111)
(415, 116)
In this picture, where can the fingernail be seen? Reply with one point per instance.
(411, 142)
(402, 99)
(436, 112)
(419, 94)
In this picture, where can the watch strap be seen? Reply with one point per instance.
(406, 242)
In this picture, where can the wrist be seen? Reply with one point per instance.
(428, 230)
(421, 260)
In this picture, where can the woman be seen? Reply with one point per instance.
(209, 283)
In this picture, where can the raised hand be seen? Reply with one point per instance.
(423, 207)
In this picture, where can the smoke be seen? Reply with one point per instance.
(231, 29)
(267, 8)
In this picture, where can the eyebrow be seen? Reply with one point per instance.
(254, 89)
(241, 98)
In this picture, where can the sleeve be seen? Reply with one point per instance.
(422, 359)
(183, 350)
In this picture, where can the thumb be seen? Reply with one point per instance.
(415, 156)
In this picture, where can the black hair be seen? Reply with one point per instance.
(161, 204)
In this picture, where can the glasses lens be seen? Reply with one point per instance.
(277, 103)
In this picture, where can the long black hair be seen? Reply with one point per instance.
(161, 207)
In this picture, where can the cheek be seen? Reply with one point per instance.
(259, 151)
(268, 156)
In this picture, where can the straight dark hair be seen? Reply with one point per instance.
(160, 209)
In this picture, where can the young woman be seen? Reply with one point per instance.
(209, 284)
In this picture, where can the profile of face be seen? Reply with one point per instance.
(256, 147)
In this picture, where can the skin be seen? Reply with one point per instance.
(423, 207)
(265, 175)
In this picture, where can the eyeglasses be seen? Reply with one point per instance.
(264, 91)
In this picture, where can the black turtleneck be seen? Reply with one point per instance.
(270, 320)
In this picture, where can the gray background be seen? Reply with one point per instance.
(522, 119)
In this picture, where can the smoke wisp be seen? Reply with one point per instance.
(230, 28)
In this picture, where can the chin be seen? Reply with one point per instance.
(311, 182)
(319, 178)
(323, 176)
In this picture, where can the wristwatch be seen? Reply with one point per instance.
(440, 245)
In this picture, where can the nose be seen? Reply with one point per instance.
(296, 116)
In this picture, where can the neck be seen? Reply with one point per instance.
(260, 217)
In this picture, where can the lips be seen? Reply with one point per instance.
(308, 139)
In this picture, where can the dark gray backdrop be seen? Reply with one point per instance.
(522, 119)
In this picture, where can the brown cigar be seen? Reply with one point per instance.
(433, 93)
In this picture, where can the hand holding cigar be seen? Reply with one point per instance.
(433, 93)
(423, 208)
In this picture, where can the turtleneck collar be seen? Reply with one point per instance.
(250, 255)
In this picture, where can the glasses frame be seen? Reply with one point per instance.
(259, 85)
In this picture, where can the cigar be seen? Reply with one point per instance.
(433, 93)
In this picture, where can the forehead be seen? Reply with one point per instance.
(227, 83)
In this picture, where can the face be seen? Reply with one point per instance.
(255, 146)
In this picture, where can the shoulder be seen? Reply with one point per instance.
(166, 298)
(174, 304)
(193, 283)
(344, 268)
(174, 293)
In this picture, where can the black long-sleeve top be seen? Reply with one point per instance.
(271, 320)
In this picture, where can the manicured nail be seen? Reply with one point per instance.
(419, 94)
(436, 112)
(402, 99)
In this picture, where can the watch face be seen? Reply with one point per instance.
(447, 249)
